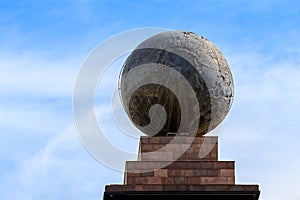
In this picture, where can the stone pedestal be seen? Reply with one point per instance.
(196, 174)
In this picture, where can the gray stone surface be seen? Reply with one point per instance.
(198, 63)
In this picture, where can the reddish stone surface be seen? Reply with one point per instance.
(158, 172)
(179, 148)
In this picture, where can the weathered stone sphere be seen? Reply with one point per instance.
(159, 60)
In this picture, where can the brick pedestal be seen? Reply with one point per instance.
(196, 173)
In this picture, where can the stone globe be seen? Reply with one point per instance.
(183, 73)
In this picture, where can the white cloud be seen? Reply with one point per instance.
(37, 160)
(61, 170)
(261, 132)
(42, 157)
(34, 75)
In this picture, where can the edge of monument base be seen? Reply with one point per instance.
(212, 192)
(179, 195)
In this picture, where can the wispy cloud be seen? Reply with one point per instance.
(60, 170)
(42, 157)
(261, 132)
(35, 75)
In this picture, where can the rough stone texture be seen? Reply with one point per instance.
(199, 62)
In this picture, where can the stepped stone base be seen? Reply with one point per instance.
(196, 172)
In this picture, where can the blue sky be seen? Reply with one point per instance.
(44, 43)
